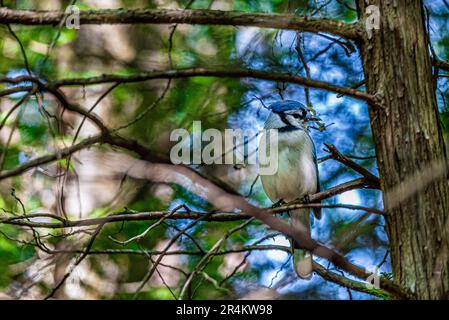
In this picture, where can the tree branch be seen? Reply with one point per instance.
(441, 64)
(16, 89)
(337, 155)
(360, 183)
(60, 154)
(58, 94)
(220, 199)
(349, 283)
(205, 72)
(168, 215)
(169, 16)
(53, 86)
(319, 269)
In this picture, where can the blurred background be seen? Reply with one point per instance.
(150, 110)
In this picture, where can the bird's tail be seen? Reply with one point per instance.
(302, 259)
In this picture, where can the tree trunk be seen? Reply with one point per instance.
(408, 139)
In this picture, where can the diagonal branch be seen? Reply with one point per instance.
(349, 283)
(337, 155)
(169, 16)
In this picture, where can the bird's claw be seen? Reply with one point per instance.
(306, 199)
(278, 204)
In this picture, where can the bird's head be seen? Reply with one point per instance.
(289, 115)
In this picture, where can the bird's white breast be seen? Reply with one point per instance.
(296, 175)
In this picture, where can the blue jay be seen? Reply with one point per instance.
(297, 174)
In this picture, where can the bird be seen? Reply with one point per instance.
(297, 174)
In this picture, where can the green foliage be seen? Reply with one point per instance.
(11, 253)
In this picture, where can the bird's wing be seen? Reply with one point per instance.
(316, 211)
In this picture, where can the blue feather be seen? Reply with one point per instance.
(282, 106)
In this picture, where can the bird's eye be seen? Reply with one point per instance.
(296, 116)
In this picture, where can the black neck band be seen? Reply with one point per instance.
(288, 129)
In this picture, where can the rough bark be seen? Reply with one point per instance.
(408, 138)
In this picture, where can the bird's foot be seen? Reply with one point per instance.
(306, 199)
(278, 204)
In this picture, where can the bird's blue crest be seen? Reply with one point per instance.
(282, 106)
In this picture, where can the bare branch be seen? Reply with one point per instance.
(323, 272)
(59, 95)
(166, 215)
(351, 164)
(208, 256)
(15, 89)
(360, 183)
(168, 16)
(81, 257)
(61, 154)
(204, 72)
(167, 247)
(440, 64)
(349, 283)
(17, 105)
